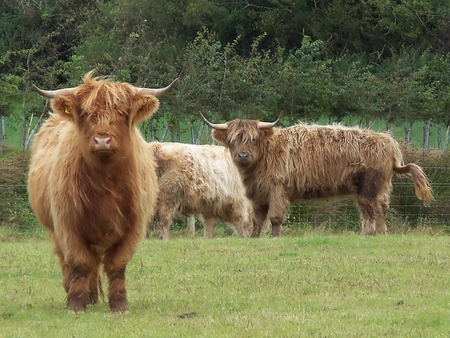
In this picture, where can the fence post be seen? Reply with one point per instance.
(447, 136)
(439, 136)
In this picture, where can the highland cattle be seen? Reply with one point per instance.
(93, 184)
(280, 166)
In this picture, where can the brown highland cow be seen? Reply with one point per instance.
(282, 166)
(93, 185)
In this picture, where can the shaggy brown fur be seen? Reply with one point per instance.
(281, 166)
(199, 180)
(93, 185)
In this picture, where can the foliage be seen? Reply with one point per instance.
(15, 211)
(378, 59)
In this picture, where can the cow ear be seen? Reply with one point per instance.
(219, 135)
(64, 106)
(266, 133)
(144, 106)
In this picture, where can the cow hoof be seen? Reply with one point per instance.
(93, 298)
(76, 308)
(120, 309)
(118, 305)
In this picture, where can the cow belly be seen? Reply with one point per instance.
(326, 193)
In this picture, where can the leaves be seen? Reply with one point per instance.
(378, 59)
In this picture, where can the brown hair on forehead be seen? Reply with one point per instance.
(242, 131)
(104, 96)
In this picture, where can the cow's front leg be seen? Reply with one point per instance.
(164, 218)
(80, 273)
(277, 211)
(259, 216)
(277, 225)
(209, 223)
(115, 267)
(115, 262)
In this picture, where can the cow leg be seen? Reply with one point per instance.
(368, 215)
(81, 266)
(277, 227)
(372, 187)
(277, 211)
(64, 267)
(165, 216)
(259, 216)
(209, 223)
(115, 262)
(383, 201)
(241, 228)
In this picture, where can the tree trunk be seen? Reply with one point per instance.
(166, 129)
(24, 125)
(178, 136)
(200, 132)
(152, 130)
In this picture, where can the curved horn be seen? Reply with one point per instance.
(157, 92)
(212, 125)
(262, 125)
(50, 94)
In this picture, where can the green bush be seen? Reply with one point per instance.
(15, 211)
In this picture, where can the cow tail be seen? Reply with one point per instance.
(422, 186)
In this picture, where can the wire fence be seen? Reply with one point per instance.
(404, 203)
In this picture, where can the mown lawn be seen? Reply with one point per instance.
(310, 286)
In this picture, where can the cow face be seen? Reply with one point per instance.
(105, 115)
(245, 139)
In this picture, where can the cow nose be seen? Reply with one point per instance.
(242, 156)
(102, 143)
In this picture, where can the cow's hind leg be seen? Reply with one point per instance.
(383, 206)
(373, 201)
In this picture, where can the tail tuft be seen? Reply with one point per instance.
(422, 186)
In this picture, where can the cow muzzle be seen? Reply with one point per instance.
(242, 158)
(102, 143)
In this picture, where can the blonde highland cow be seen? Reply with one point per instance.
(199, 180)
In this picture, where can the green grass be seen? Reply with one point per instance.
(316, 285)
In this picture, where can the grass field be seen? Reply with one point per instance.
(314, 285)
